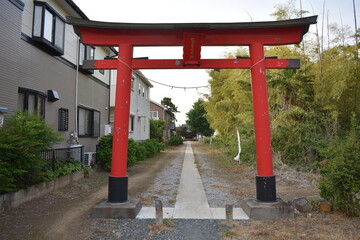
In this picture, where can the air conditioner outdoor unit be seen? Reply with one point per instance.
(89, 158)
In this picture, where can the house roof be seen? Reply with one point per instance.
(160, 105)
(156, 103)
(78, 11)
(142, 76)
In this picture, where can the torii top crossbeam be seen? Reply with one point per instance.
(192, 36)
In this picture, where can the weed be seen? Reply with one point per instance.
(172, 201)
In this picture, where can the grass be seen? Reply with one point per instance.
(172, 201)
(313, 226)
(167, 226)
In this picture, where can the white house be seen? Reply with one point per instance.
(139, 121)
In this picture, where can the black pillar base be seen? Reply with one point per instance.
(266, 189)
(118, 189)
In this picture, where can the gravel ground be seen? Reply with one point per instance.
(218, 190)
(131, 229)
(165, 185)
(65, 213)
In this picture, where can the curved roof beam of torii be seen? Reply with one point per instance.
(172, 34)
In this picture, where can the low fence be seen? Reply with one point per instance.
(53, 157)
(14, 199)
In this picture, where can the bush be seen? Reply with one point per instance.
(104, 152)
(340, 182)
(157, 128)
(65, 167)
(175, 141)
(307, 137)
(23, 138)
(151, 147)
(137, 151)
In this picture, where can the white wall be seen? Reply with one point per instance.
(139, 107)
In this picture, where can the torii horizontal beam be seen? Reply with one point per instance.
(172, 34)
(180, 64)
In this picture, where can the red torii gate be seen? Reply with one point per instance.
(192, 36)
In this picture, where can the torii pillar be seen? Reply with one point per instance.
(192, 36)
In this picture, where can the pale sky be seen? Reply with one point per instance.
(171, 11)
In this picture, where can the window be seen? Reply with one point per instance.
(31, 101)
(132, 82)
(154, 115)
(139, 89)
(63, 121)
(143, 92)
(88, 122)
(86, 53)
(48, 28)
(131, 123)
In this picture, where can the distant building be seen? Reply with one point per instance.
(139, 121)
(160, 112)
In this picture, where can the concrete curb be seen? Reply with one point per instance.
(15, 199)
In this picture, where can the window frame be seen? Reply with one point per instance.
(94, 130)
(152, 115)
(37, 96)
(133, 83)
(63, 119)
(39, 33)
(86, 52)
(132, 123)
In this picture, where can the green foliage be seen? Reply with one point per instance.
(181, 130)
(23, 138)
(340, 182)
(287, 11)
(175, 141)
(132, 153)
(337, 87)
(66, 167)
(229, 108)
(197, 121)
(104, 152)
(137, 151)
(166, 101)
(157, 128)
(305, 129)
(308, 108)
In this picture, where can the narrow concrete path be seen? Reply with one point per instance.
(191, 201)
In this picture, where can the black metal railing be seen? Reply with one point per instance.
(53, 157)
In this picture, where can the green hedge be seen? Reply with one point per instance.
(340, 173)
(175, 141)
(137, 151)
(23, 138)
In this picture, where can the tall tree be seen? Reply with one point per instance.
(166, 101)
(196, 119)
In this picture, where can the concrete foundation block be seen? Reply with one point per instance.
(267, 210)
(301, 204)
(105, 209)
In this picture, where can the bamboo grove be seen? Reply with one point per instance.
(314, 111)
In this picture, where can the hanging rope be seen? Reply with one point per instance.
(171, 86)
(178, 87)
